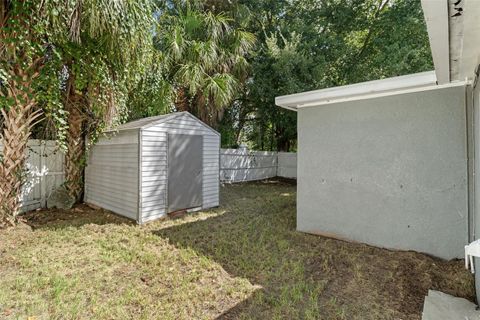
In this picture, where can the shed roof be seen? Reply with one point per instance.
(151, 121)
(144, 122)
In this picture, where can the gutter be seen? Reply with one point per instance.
(296, 105)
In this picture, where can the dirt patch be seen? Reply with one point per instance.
(396, 280)
(77, 216)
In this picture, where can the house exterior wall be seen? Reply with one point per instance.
(111, 175)
(154, 164)
(390, 171)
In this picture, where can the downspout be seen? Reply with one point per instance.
(470, 154)
(474, 135)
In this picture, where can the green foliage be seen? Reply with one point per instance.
(101, 45)
(281, 68)
(153, 94)
(205, 57)
(27, 48)
(221, 60)
(49, 98)
(105, 45)
(313, 44)
(22, 50)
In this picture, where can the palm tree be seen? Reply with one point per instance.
(104, 45)
(206, 54)
(100, 46)
(21, 59)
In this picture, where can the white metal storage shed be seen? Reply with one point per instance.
(153, 166)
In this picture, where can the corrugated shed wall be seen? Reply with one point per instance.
(154, 164)
(153, 185)
(111, 176)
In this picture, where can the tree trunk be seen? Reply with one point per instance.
(181, 101)
(75, 103)
(17, 124)
(19, 117)
(283, 141)
(283, 144)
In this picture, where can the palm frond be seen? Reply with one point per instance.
(243, 42)
(192, 22)
(216, 25)
(220, 89)
(191, 76)
(177, 43)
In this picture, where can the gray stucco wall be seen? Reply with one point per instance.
(391, 171)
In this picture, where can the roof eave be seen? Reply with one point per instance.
(453, 32)
(436, 18)
(358, 91)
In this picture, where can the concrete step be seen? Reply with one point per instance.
(442, 306)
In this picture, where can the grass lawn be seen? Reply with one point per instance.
(243, 260)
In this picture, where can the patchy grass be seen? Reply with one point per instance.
(243, 260)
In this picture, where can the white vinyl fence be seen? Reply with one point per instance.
(287, 165)
(238, 165)
(44, 173)
(45, 169)
(244, 165)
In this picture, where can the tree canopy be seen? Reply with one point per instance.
(67, 63)
(226, 61)
(310, 44)
(81, 66)
(202, 62)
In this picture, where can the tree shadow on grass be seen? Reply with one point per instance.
(76, 217)
(238, 239)
(306, 276)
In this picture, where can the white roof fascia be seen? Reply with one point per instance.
(363, 90)
(437, 19)
(391, 93)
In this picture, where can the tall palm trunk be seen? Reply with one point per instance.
(19, 117)
(17, 124)
(75, 103)
(181, 102)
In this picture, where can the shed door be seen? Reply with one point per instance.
(185, 154)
